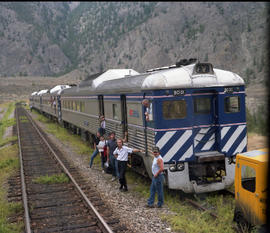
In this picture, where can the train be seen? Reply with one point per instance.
(198, 118)
(251, 189)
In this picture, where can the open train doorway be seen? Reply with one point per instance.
(124, 114)
(101, 105)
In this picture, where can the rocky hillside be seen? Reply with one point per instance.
(53, 38)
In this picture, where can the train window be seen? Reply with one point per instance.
(232, 104)
(82, 107)
(202, 105)
(248, 178)
(174, 109)
(116, 111)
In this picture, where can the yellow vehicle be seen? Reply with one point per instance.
(251, 188)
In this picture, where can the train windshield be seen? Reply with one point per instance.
(202, 105)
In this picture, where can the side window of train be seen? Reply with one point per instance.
(202, 105)
(116, 111)
(248, 178)
(82, 106)
(175, 109)
(232, 104)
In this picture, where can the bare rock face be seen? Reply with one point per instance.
(54, 38)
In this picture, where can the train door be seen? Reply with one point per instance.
(247, 194)
(59, 108)
(204, 121)
(40, 102)
(124, 114)
(101, 105)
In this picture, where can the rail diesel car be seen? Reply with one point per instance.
(198, 118)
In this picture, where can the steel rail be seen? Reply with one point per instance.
(24, 195)
(200, 207)
(100, 218)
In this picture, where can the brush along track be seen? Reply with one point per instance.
(62, 207)
(191, 200)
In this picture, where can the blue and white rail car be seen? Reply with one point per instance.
(198, 122)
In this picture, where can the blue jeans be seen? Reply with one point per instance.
(114, 164)
(93, 156)
(156, 186)
(116, 168)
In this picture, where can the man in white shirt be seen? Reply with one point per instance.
(121, 153)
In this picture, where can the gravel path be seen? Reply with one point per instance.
(128, 206)
(8, 131)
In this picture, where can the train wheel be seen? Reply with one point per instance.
(243, 225)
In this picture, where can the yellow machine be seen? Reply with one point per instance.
(251, 187)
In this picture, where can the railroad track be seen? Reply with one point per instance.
(63, 207)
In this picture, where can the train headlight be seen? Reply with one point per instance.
(180, 166)
(172, 168)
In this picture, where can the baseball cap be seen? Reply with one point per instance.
(156, 149)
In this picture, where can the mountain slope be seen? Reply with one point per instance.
(53, 38)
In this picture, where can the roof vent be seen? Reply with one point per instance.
(203, 68)
(185, 62)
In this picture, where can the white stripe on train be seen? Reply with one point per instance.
(165, 138)
(232, 139)
(241, 146)
(176, 147)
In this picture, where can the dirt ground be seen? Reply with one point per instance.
(256, 141)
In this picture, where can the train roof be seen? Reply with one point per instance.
(58, 89)
(196, 75)
(42, 92)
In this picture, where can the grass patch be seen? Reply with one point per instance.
(5, 122)
(53, 179)
(185, 218)
(9, 163)
(8, 140)
(23, 119)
